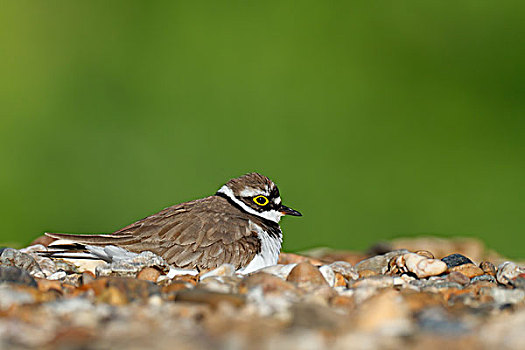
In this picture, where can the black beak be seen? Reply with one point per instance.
(289, 211)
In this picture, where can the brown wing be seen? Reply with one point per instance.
(200, 234)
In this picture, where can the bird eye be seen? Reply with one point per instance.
(261, 200)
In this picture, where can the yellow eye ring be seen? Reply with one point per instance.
(261, 200)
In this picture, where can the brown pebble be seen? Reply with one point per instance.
(488, 268)
(425, 253)
(367, 273)
(45, 285)
(340, 281)
(469, 270)
(458, 277)
(306, 273)
(149, 274)
(290, 258)
(187, 278)
(269, 283)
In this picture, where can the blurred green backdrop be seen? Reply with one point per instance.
(376, 119)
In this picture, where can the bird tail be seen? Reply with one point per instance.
(87, 246)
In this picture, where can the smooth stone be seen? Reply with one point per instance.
(268, 282)
(508, 271)
(456, 260)
(223, 270)
(59, 275)
(328, 274)
(458, 277)
(468, 269)
(419, 265)
(278, 270)
(16, 275)
(379, 263)
(149, 274)
(488, 268)
(306, 273)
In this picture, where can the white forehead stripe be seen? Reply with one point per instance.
(272, 215)
(252, 192)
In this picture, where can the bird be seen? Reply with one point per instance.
(238, 225)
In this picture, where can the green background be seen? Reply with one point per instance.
(376, 119)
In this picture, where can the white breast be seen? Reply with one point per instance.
(269, 254)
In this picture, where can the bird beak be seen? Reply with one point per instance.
(289, 211)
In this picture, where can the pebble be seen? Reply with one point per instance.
(223, 270)
(488, 268)
(306, 273)
(13, 257)
(468, 269)
(456, 260)
(419, 265)
(267, 282)
(279, 270)
(129, 288)
(345, 269)
(16, 275)
(508, 271)
(218, 284)
(149, 274)
(340, 280)
(328, 274)
(131, 266)
(458, 277)
(59, 275)
(425, 253)
(379, 263)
